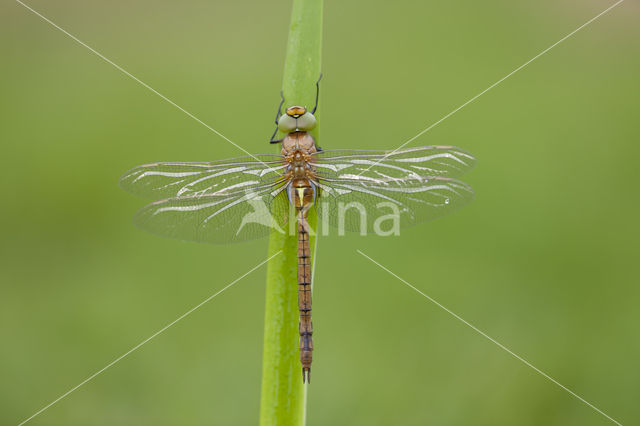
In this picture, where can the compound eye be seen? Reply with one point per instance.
(286, 123)
(306, 122)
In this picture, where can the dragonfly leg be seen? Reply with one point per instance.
(272, 140)
(317, 94)
(316, 105)
(278, 113)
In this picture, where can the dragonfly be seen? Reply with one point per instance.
(245, 198)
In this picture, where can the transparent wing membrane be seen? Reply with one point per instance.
(242, 199)
(217, 218)
(163, 180)
(411, 162)
(374, 205)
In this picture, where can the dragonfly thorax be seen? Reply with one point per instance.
(298, 141)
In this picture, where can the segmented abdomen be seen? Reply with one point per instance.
(304, 296)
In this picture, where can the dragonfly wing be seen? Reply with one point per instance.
(434, 160)
(215, 218)
(369, 205)
(165, 180)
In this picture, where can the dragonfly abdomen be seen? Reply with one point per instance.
(304, 296)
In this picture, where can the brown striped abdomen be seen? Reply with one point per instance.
(304, 296)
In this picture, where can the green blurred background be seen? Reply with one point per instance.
(544, 260)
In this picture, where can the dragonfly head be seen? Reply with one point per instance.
(296, 118)
(296, 111)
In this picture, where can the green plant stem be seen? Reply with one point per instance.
(283, 394)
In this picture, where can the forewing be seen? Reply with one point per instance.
(214, 218)
(436, 160)
(238, 175)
